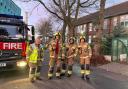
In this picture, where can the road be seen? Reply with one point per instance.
(100, 79)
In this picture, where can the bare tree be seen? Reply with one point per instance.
(101, 18)
(45, 28)
(66, 10)
(100, 24)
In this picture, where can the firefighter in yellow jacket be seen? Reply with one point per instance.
(35, 58)
(55, 56)
(85, 54)
(71, 52)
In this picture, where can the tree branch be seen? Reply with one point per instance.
(34, 8)
(55, 2)
(49, 9)
(90, 4)
(68, 9)
(85, 2)
(24, 0)
(63, 13)
(74, 1)
(77, 10)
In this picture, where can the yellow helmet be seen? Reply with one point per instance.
(82, 37)
(57, 34)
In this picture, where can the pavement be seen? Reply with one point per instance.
(109, 76)
(75, 82)
(99, 79)
(117, 68)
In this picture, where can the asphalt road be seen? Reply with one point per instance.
(100, 79)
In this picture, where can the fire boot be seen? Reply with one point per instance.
(50, 73)
(69, 71)
(82, 71)
(63, 71)
(58, 73)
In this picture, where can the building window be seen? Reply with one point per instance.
(90, 26)
(94, 27)
(81, 28)
(78, 29)
(115, 21)
(105, 25)
(124, 20)
(90, 39)
(126, 24)
(122, 24)
(85, 27)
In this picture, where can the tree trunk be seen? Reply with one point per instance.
(97, 41)
(63, 32)
(101, 18)
(71, 30)
(100, 26)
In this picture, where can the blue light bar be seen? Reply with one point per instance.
(11, 16)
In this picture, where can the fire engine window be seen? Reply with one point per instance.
(10, 31)
(3, 32)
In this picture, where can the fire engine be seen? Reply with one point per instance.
(14, 39)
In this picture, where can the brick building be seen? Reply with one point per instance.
(113, 15)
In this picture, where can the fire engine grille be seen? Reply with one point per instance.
(7, 54)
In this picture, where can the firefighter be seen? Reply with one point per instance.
(71, 52)
(55, 56)
(35, 58)
(84, 51)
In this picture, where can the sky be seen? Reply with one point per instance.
(39, 13)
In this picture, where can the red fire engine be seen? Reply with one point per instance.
(13, 42)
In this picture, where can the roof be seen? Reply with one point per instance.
(115, 10)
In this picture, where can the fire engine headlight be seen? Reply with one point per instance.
(21, 64)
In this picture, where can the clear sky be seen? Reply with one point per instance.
(35, 15)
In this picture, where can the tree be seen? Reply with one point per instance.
(100, 25)
(97, 41)
(67, 11)
(119, 31)
(45, 28)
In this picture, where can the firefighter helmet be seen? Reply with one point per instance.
(82, 37)
(72, 38)
(57, 34)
